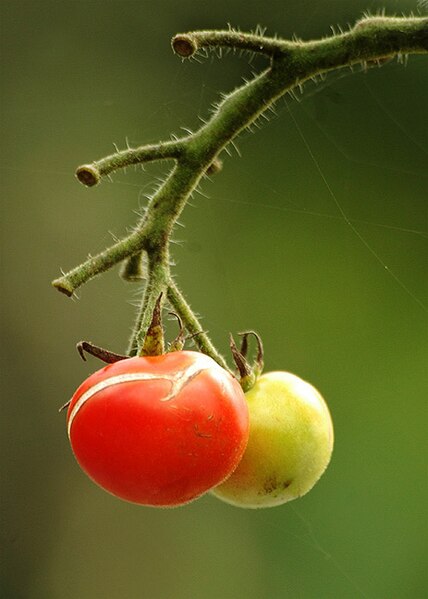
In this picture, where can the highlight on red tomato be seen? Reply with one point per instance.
(161, 430)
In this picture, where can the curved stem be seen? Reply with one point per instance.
(379, 34)
(72, 280)
(291, 64)
(187, 44)
(192, 324)
(153, 233)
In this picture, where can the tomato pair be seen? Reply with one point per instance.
(163, 430)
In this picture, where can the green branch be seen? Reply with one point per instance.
(292, 63)
(187, 44)
(90, 174)
(190, 321)
(158, 279)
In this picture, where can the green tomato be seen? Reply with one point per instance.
(290, 443)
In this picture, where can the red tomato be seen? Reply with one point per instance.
(161, 430)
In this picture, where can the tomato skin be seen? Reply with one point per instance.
(289, 447)
(163, 440)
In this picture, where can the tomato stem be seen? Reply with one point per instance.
(372, 41)
(192, 324)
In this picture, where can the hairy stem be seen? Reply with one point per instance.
(190, 321)
(291, 64)
(158, 278)
(90, 174)
(152, 234)
(187, 44)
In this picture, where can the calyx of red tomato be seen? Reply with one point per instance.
(154, 345)
(248, 373)
(102, 354)
(153, 341)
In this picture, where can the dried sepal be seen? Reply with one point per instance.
(153, 344)
(258, 363)
(178, 343)
(247, 377)
(98, 352)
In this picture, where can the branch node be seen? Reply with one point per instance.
(132, 268)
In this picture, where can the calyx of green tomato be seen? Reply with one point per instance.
(248, 373)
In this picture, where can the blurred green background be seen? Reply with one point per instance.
(268, 249)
